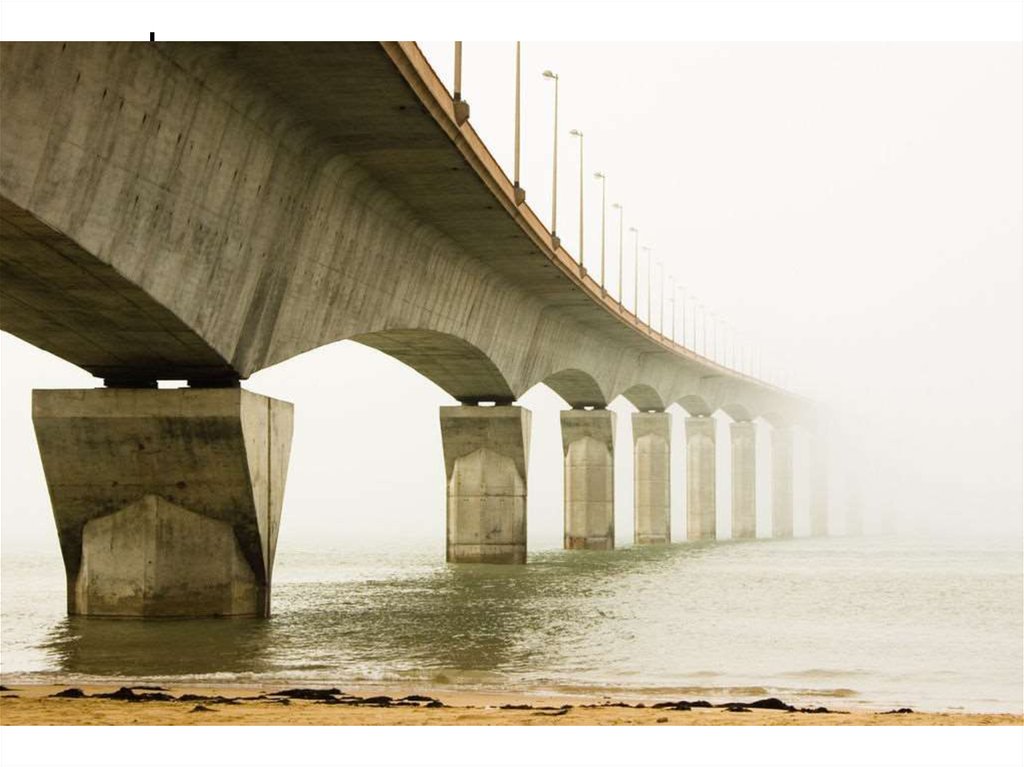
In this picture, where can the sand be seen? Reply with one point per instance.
(32, 704)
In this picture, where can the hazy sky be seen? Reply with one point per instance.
(855, 209)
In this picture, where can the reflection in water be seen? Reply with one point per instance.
(868, 620)
(109, 647)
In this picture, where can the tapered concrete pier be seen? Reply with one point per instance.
(782, 482)
(744, 479)
(652, 433)
(485, 457)
(167, 502)
(700, 479)
(819, 487)
(588, 445)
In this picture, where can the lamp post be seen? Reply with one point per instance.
(554, 168)
(518, 192)
(703, 330)
(621, 217)
(636, 271)
(604, 210)
(683, 291)
(714, 336)
(672, 299)
(661, 299)
(461, 107)
(647, 250)
(579, 134)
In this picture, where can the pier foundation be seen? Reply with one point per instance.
(588, 447)
(782, 482)
(652, 434)
(700, 479)
(485, 458)
(167, 502)
(744, 479)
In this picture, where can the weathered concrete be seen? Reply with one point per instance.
(485, 458)
(205, 210)
(782, 482)
(819, 487)
(700, 479)
(167, 502)
(744, 479)
(652, 441)
(588, 446)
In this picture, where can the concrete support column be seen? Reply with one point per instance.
(744, 479)
(819, 488)
(588, 445)
(167, 502)
(700, 479)
(485, 457)
(782, 482)
(652, 439)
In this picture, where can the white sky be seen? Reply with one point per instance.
(855, 208)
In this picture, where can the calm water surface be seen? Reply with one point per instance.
(933, 624)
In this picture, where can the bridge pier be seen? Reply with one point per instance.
(652, 433)
(819, 488)
(700, 478)
(485, 457)
(744, 479)
(782, 482)
(588, 444)
(167, 502)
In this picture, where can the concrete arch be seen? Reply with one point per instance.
(694, 404)
(737, 412)
(644, 398)
(577, 388)
(455, 365)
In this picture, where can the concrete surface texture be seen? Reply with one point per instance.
(652, 520)
(700, 479)
(588, 446)
(167, 502)
(782, 482)
(485, 459)
(743, 435)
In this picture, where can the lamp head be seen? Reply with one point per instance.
(599, 176)
(577, 133)
(550, 75)
(616, 206)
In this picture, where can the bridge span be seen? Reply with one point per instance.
(201, 211)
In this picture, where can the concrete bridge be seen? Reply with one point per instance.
(203, 211)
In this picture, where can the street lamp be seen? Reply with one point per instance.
(579, 134)
(647, 250)
(604, 183)
(461, 107)
(636, 271)
(714, 336)
(621, 217)
(672, 299)
(554, 168)
(661, 299)
(682, 289)
(518, 192)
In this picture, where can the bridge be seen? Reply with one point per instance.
(201, 211)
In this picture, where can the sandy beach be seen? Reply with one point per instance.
(35, 704)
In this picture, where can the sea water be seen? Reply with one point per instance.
(880, 622)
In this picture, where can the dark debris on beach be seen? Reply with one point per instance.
(336, 697)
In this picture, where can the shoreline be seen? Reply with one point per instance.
(390, 704)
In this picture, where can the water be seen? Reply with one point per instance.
(877, 622)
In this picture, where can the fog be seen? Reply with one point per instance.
(853, 210)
